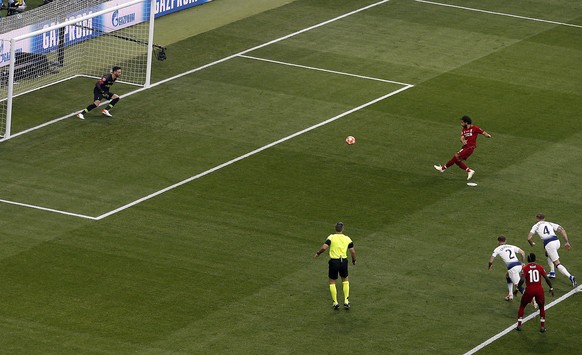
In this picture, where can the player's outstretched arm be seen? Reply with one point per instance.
(549, 284)
(519, 287)
(522, 255)
(529, 239)
(491, 258)
(565, 235)
(521, 282)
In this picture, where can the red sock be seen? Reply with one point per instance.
(542, 315)
(520, 314)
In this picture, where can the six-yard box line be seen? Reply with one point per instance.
(242, 54)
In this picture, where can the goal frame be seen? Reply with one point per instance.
(14, 40)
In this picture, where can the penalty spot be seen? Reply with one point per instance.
(471, 184)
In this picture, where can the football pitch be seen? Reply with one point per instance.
(187, 223)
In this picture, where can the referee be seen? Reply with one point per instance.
(338, 244)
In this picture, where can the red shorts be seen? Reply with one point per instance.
(465, 152)
(530, 294)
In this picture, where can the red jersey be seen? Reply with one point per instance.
(470, 135)
(533, 274)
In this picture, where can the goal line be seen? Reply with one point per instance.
(240, 54)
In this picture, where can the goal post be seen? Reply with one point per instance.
(87, 43)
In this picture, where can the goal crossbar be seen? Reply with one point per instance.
(77, 20)
(94, 25)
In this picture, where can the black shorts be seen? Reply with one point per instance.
(338, 266)
(98, 95)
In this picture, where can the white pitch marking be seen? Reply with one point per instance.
(323, 70)
(273, 41)
(48, 209)
(208, 65)
(500, 13)
(258, 150)
(531, 316)
(187, 73)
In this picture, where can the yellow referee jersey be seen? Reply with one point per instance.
(338, 245)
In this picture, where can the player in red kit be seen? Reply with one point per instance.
(533, 273)
(469, 135)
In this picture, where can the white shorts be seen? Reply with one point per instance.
(552, 250)
(514, 274)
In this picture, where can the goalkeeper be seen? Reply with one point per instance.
(101, 91)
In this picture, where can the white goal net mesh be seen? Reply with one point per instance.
(86, 43)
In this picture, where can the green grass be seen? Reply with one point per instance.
(224, 264)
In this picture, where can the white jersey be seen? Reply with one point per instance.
(508, 253)
(546, 230)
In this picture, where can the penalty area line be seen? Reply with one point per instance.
(530, 317)
(48, 209)
(500, 13)
(207, 65)
(161, 82)
(251, 153)
(323, 70)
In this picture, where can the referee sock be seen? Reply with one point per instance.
(563, 270)
(346, 285)
(333, 292)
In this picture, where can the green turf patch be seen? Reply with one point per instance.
(224, 264)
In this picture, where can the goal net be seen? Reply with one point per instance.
(86, 43)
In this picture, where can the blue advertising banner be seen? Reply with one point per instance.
(88, 28)
(164, 7)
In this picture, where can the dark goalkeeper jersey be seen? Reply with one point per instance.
(105, 82)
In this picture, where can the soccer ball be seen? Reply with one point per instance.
(350, 140)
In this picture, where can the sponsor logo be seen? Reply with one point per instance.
(117, 20)
(69, 34)
(5, 57)
(164, 5)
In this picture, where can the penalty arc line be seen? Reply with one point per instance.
(530, 317)
(251, 153)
